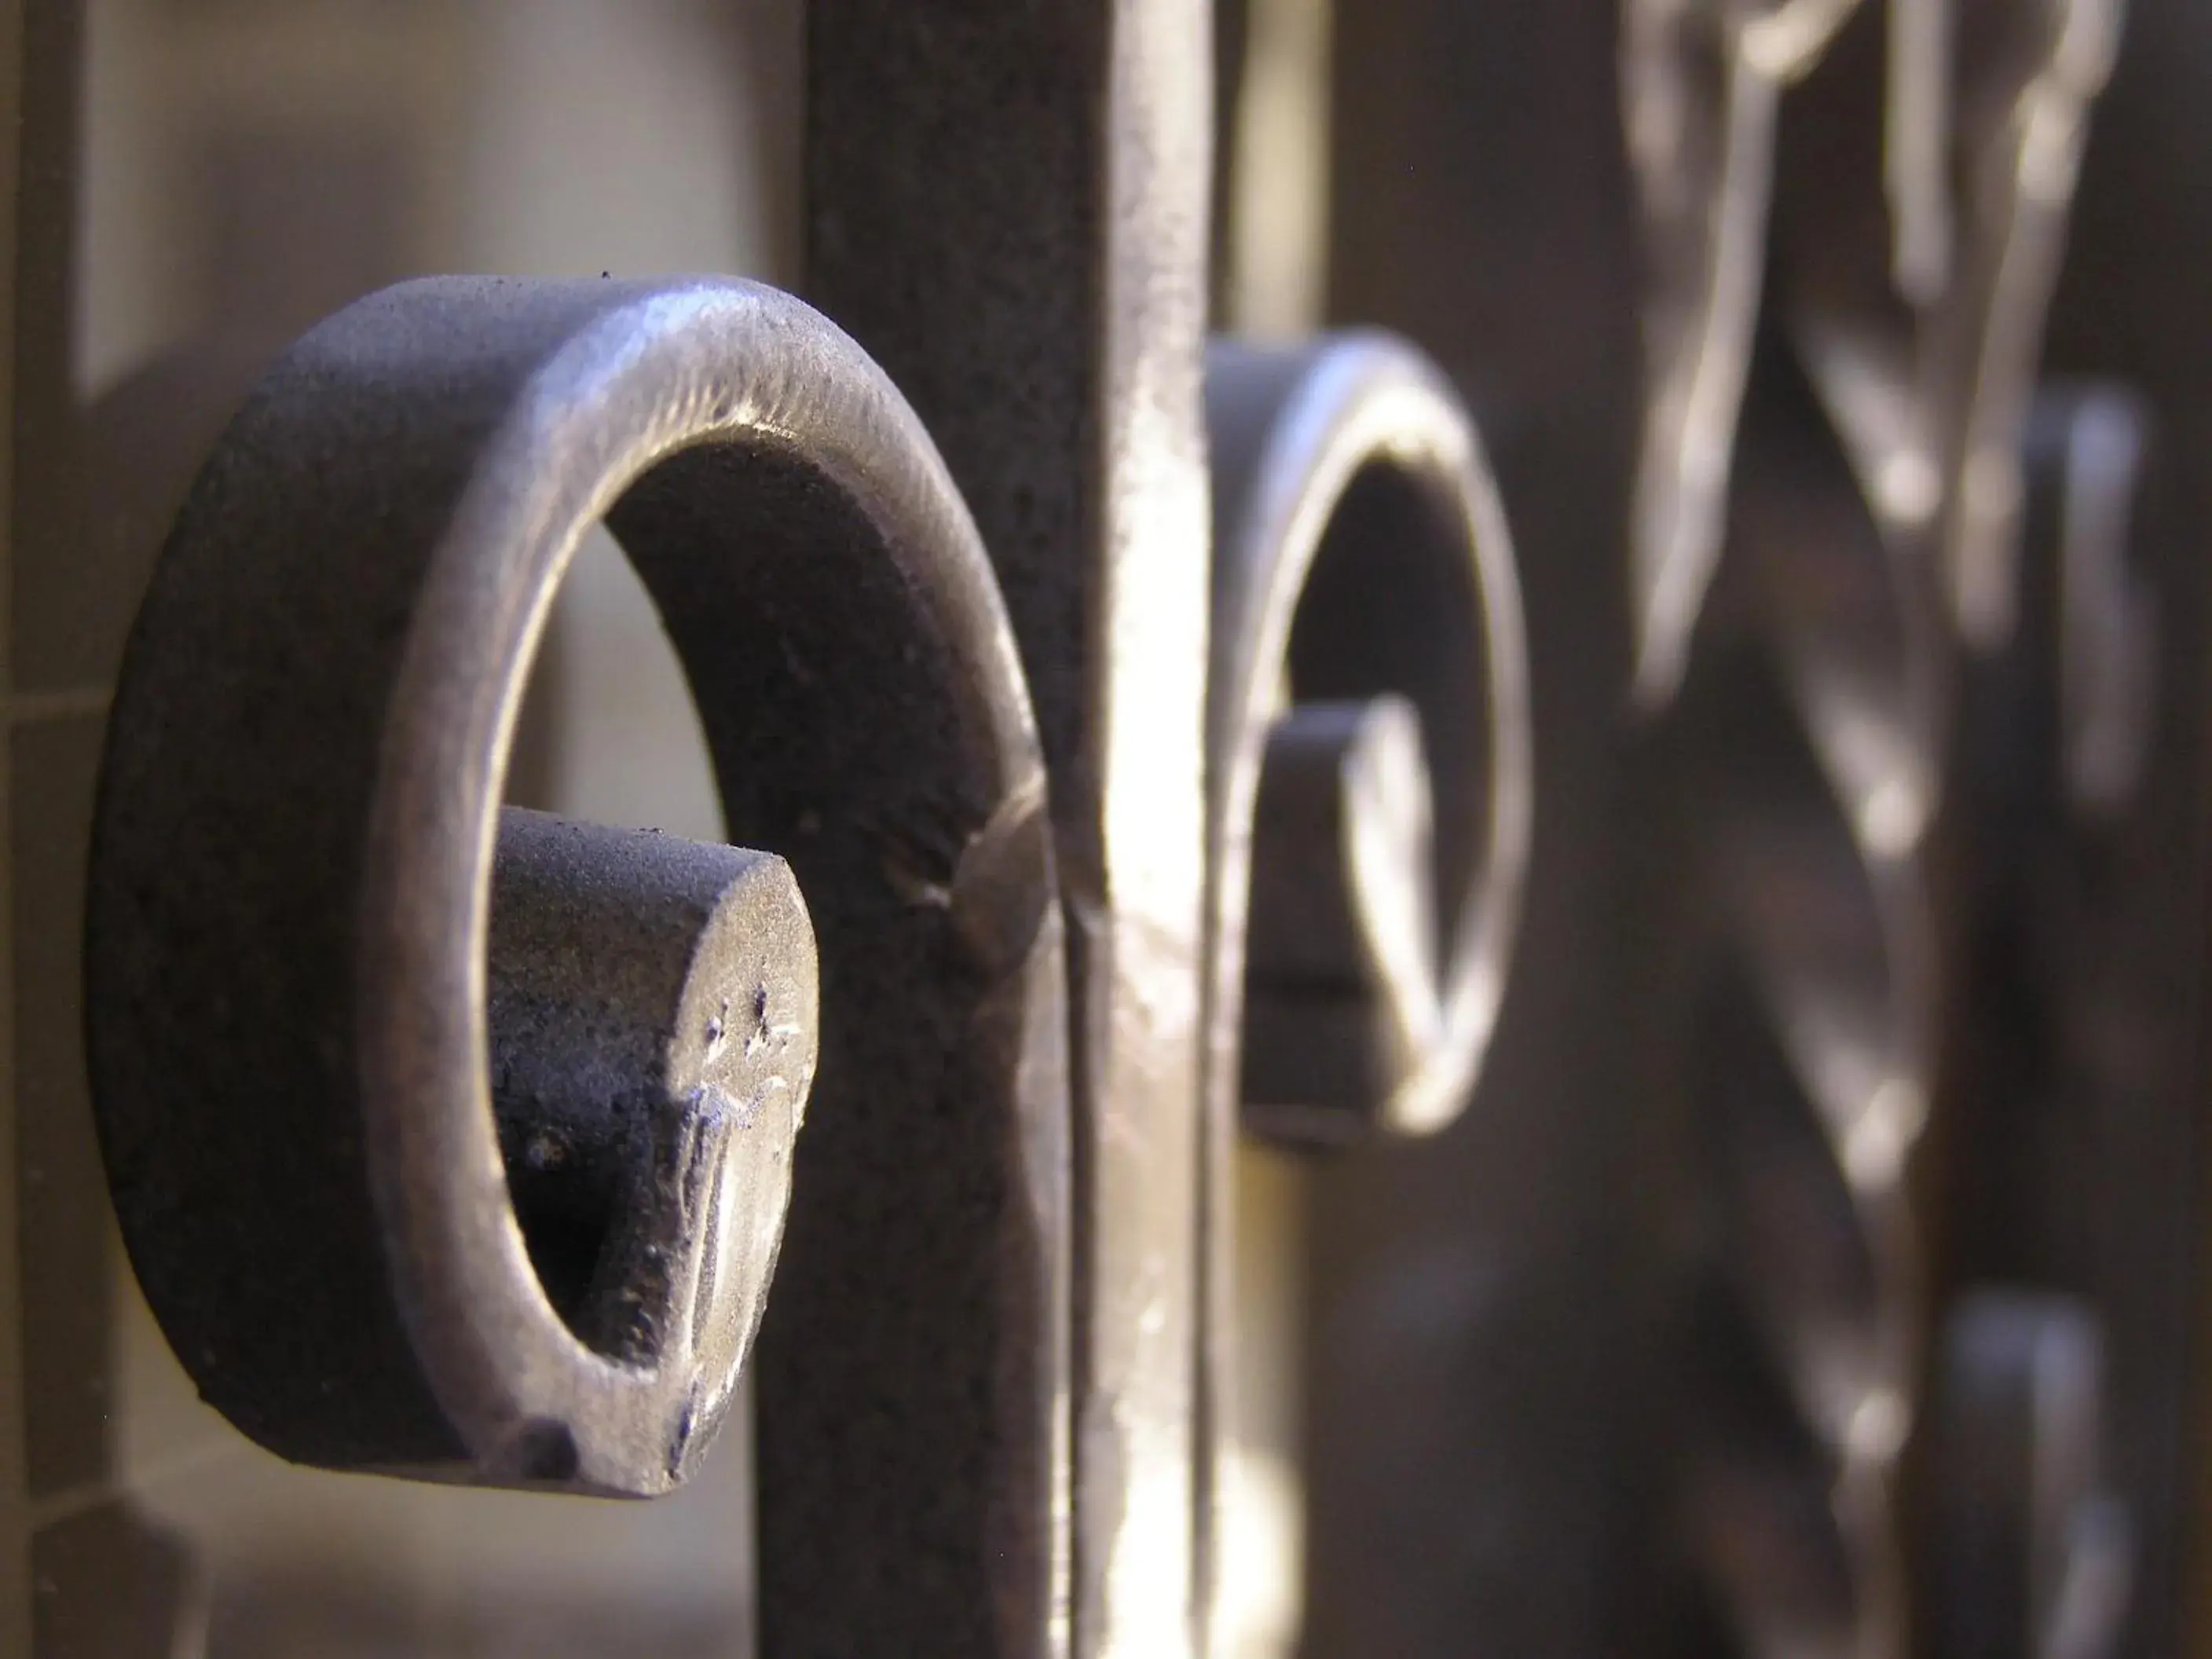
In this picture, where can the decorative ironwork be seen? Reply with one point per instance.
(457, 1141)
(1369, 750)
(295, 1063)
(1842, 357)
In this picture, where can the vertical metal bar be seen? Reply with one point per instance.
(1007, 206)
(2146, 185)
(15, 1517)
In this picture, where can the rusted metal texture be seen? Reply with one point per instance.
(1370, 766)
(374, 1062)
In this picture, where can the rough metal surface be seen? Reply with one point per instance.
(1007, 204)
(288, 915)
(1360, 553)
(653, 1020)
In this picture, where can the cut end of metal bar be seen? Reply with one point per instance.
(1341, 1004)
(654, 1029)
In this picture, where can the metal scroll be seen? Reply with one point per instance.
(457, 1141)
(1369, 754)
(369, 1093)
(421, 1115)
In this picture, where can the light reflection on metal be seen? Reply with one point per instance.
(2108, 631)
(1851, 439)
(1952, 314)
(353, 1231)
(430, 457)
(1701, 83)
(1916, 129)
(2024, 104)
(1360, 554)
(2034, 1519)
(1959, 355)
(1370, 774)
(2033, 1557)
(1811, 726)
(1007, 206)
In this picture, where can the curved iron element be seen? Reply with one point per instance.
(1701, 87)
(1816, 719)
(1368, 744)
(1872, 431)
(1930, 369)
(1921, 314)
(294, 891)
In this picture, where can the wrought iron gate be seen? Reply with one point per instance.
(1119, 693)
